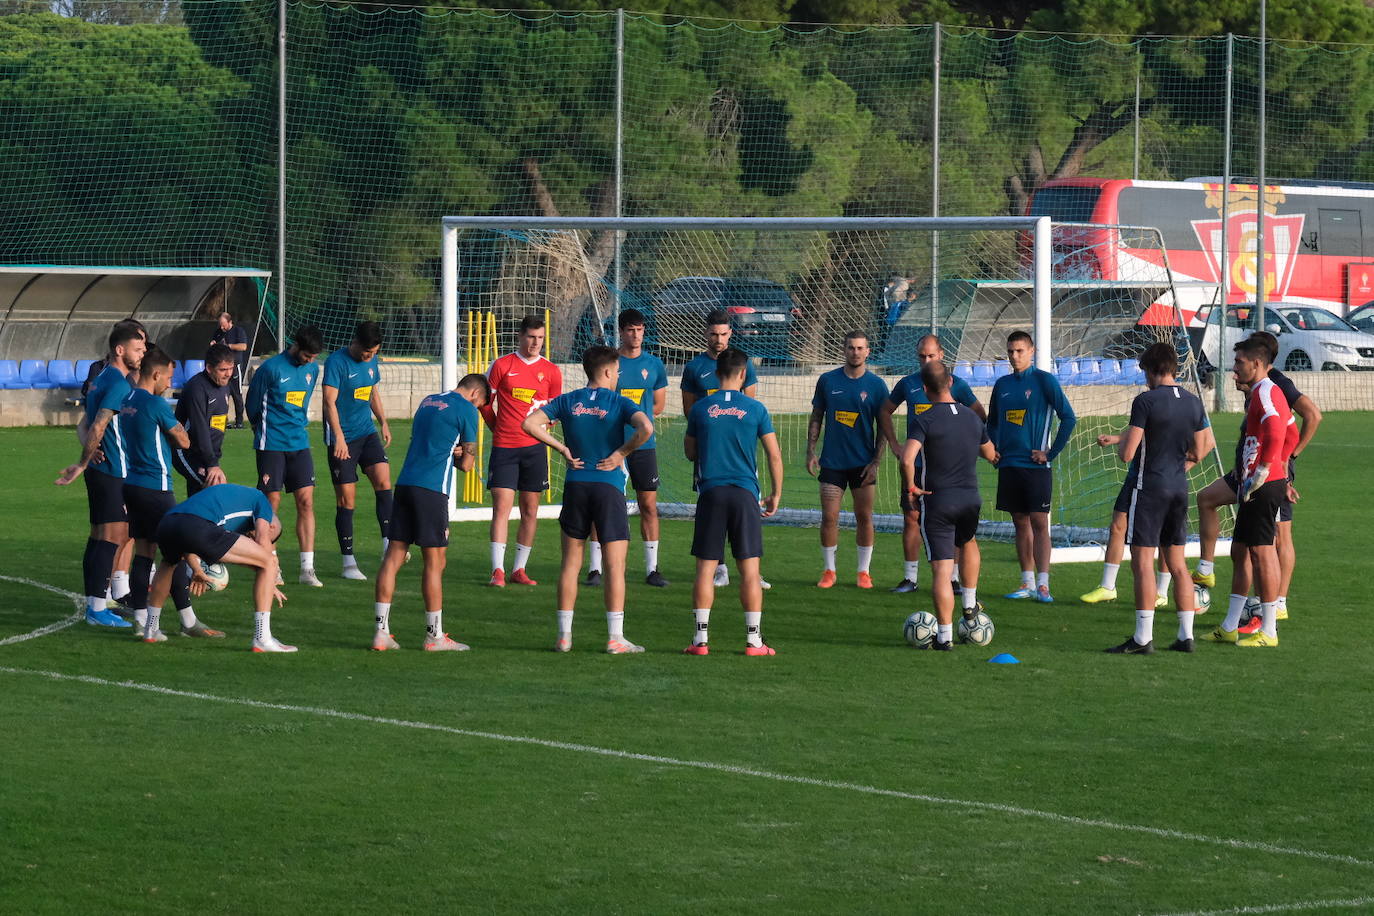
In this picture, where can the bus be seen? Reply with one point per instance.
(1316, 250)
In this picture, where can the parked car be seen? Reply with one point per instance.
(1309, 337)
(1362, 318)
(762, 314)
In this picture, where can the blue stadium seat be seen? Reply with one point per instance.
(62, 374)
(179, 373)
(982, 373)
(193, 366)
(1088, 372)
(83, 369)
(9, 374)
(34, 373)
(964, 370)
(1131, 373)
(1000, 367)
(1111, 372)
(1067, 371)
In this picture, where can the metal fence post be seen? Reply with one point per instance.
(935, 183)
(281, 174)
(619, 156)
(1218, 387)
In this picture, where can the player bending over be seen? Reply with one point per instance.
(723, 432)
(951, 437)
(594, 420)
(443, 437)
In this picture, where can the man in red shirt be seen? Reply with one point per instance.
(1270, 437)
(521, 383)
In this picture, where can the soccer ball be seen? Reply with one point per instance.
(920, 629)
(1251, 611)
(217, 573)
(1202, 598)
(977, 629)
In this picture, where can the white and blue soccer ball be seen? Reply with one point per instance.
(1202, 598)
(1251, 610)
(217, 573)
(920, 629)
(977, 629)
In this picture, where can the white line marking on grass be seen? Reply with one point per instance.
(1014, 810)
(52, 627)
(1347, 904)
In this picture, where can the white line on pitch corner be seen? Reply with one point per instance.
(1349, 903)
(52, 627)
(730, 769)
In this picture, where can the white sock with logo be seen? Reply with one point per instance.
(307, 559)
(1162, 581)
(615, 625)
(383, 616)
(119, 584)
(262, 625)
(1205, 567)
(565, 624)
(865, 557)
(1042, 579)
(752, 621)
(650, 556)
(594, 549)
(522, 555)
(498, 556)
(828, 557)
(703, 616)
(1144, 626)
(913, 571)
(434, 624)
(1233, 612)
(1185, 624)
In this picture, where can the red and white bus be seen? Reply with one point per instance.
(1316, 250)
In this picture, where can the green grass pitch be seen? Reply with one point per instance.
(848, 774)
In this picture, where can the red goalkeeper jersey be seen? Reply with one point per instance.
(520, 387)
(1271, 433)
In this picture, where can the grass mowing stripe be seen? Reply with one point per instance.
(1347, 904)
(52, 627)
(1013, 810)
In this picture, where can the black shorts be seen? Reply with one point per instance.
(1257, 519)
(643, 467)
(195, 481)
(105, 497)
(525, 469)
(1024, 490)
(727, 512)
(146, 509)
(844, 478)
(1285, 511)
(1156, 519)
(419, 516)
(365, 452)
(949, 520)
(181, 533)
(587, 503)
(289, 471)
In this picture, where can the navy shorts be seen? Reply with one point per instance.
(146, 509)
(105, 496)
(1257, 520)
(419, 516)
(525, 469)
(1024, 490)
(289, 471)
(643, 467)
(1285, 511)
(180, 533)
(365, 452)
(949, 520)
(727, 513)
(591, 503)
(844, 478)
(1156, 519)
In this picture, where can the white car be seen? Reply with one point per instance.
(1310, 337)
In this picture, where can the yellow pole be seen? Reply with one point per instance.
(548, 354)
(469, 479)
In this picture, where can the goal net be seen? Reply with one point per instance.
(1093, 297)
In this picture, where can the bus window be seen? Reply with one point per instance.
(1065, 204)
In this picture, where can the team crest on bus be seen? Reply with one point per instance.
(1283, 241)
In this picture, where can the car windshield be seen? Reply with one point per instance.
(1314, 319)
(1242, 318)
(761, 294)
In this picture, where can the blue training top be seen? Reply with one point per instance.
(594, 421)
(851, 417)
(108, 392)
(727, 426)
(640, 377)
(144, 419)
(1020, 414)
(441, 423)
(354, 379)
(278, 403)
(231, 506)
(699, 376)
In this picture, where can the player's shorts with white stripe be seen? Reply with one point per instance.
(1155, 519)
(949, 520)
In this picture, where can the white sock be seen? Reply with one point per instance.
(650, 556)
(382, 610)
(1028, 578)
(386, 543)
(1282, 602)
(1162, 581)
(307, 559)
(970, 596)
(913, 569)
(703, 615)
(1205, 567)
(945, 632)
(1185, 624)
(153, 617)
(565, 623)
(722, 569)
(262, 625)
(1042, 579)
(434, 624)
(188, 616)
(752, 620)
(615, 625)
(595, 552)
(350, 561)
(498, 556)
(828, 557)
(95, 603)
(1270, 627)
(1109, 571)
(865, 557)
(119, 584)
(1144, 626)
(956, 575)
(1233, 612)
(522, 556)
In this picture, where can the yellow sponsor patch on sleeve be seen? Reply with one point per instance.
(523, 394)
(295, 398)
(219, 421)
(634, 394)
(922, 408)
(847, 417)
(1016, 416)
(711, 391)
(362, 394)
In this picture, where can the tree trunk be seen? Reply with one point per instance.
(1105, 121)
